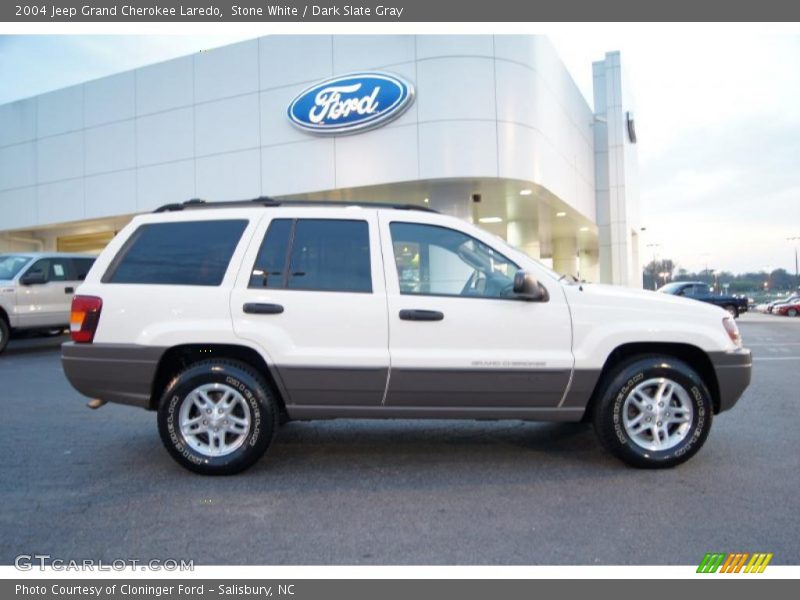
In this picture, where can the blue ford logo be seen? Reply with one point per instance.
(351, 103)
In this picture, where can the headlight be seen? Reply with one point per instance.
(732, 330)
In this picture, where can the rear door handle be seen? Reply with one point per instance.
(69, 290)
(257, 308)
(414, 314)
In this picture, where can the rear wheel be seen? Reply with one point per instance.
(217, 417)
(5, 333)
(655, 412)
(792, 312)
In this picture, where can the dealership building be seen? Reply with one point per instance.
(492, 130)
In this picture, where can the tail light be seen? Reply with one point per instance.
(733, 331)
(84, 318)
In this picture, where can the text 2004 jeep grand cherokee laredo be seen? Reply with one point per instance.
(229, 318)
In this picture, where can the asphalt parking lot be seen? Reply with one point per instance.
(76, 483)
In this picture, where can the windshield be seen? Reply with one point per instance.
(670, 288)
(11, 264)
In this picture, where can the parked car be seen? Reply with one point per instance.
(697, 290)
(229, 318)
(36, 290)
(788, 309)
(773, 307)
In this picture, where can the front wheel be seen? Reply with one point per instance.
(217, 417)
(732, 310)
(5, 333)
(655, 412)
(792, 312)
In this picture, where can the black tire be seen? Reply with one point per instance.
(5, 333)
(256, 397)
(733, 310)
(792, 312)
(608, 411)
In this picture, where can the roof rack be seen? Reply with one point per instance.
(265, 201)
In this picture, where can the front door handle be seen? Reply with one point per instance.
(258, 308)
(414, 314)
(69, 290)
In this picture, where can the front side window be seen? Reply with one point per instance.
(329, 255)
(53, 269)
(182, 253)
(433, 260)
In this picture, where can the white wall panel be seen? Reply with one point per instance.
(227, 125)
(165, 86)
(378, 156)
(18, 165)
(110, 147)
(231, 176)
(110, 194)
(164, 184)
(18, 122)
(431, 46)
(109, 99)
(60, 157)
(297, 168)
(18, 208)
(60, 111)
(290, 59)
(360, 52)
(456, 88)
(165, 137)
(61, 202)
(458, 149)
(227, 71)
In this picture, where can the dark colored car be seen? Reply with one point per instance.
(698, 290)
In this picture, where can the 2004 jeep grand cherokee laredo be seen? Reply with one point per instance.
(230, 318)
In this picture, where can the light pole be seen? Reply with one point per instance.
(795, 239)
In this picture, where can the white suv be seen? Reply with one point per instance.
(36, 290)
(230, 318)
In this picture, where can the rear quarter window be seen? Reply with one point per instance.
(183, 253)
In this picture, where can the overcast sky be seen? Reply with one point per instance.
(718, 122)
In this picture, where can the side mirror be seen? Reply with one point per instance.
(34, 278)
(526, 287)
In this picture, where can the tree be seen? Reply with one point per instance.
(657, 273)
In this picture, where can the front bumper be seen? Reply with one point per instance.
(733, 370)
(121, 373)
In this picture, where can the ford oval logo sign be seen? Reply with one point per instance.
(351, 103)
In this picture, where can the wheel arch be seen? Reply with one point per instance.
(692, 355)
(178, 358)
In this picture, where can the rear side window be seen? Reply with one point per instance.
(81, 266)
(329, 255)
(185, 253)
(270, 269)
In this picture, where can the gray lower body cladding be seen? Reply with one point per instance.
(121, 373)
(124, 374)
(733, 370)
